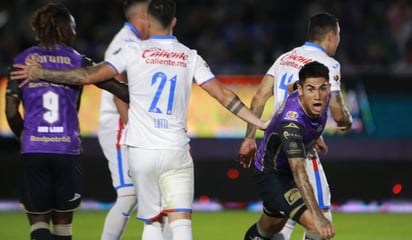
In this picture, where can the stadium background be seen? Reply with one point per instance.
(242, 38)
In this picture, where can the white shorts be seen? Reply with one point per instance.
(318, 180)
(118, 163)
(164, 181)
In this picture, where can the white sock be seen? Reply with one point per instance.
(286, 231)
(181, 229)
(167, 232)
(117, 218)
(152, 231)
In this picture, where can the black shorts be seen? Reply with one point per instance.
(281, 198)
(51, 182)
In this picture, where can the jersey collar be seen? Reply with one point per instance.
(311, 44)
(163, 37)
(134, 30)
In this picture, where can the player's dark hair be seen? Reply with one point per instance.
(320, 24)
(313, 69)
(52, 25)
(129, 4)
(163, 10)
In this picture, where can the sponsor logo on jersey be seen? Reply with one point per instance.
(49, 59)
(292, 115)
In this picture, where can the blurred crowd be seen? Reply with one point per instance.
(238, 37)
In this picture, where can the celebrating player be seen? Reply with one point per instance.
(324, 38)
(279, 171)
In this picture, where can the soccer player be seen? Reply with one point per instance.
(324, 38)
(112, 119)
(160, 74)
(49, 131)
(279, 170)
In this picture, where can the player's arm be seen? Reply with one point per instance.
(76, 76)
(292, 134)
(231, 102)
(247, 151)
(14, 118)
(122, 108)
(339, 111)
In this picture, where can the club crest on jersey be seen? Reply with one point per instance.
(292, 115)
(336, 78)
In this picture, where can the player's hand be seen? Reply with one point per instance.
(325, 227)
(29, 72)
(320, 145)
(247, 152)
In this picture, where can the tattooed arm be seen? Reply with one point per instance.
(340, 112)
(248, 147)
(231, 101)
(77, 76)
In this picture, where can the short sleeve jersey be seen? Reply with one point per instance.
(51, 123)
(109, 117)
(160, 74)
(289, 125)
(286, 68)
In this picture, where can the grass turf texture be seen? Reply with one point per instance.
(225, 225)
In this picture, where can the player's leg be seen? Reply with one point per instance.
(144, 165)
(119, 214)
(35, 197)
(67, 181)
(265, 228)
(177, 185)
(319, 182)
(39, 226)
(286, 231)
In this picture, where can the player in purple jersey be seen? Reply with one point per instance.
(279, 173)
(49, 132)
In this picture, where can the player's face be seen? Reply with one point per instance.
(314, 95)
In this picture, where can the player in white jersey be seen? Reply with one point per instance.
(160, 74)
(112, 118)
(323, 40)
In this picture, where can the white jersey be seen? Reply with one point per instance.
(286, 68)
(160, 75)
(109, 116)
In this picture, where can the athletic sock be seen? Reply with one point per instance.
(181, 229)
(62, 232)
(117, 218)
(40, 230)
(152, 231)
(253, 233)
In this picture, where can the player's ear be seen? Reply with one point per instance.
(174, 22)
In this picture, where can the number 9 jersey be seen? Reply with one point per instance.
(51, 122)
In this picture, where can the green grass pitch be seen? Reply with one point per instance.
(225, 225)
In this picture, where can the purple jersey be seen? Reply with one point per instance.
(51, 123)
(290, 133)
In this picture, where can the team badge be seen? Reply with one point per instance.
(292, 115)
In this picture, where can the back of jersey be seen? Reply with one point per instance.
(51, 122)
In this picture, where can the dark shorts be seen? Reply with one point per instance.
(51, 182)
(281, 197)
